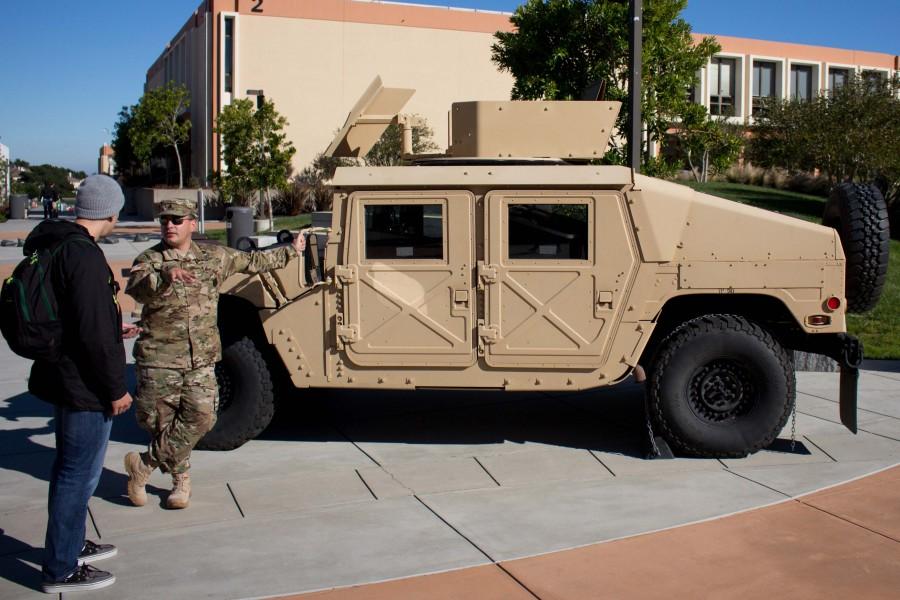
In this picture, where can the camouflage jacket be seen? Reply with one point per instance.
(179, 319)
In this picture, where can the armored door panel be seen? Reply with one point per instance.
(407, 286)
(556, 269)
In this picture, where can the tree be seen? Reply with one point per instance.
(562, 47)
(387, 151)
(849, 134)
(128, 165)
(157, 120)
(256, 154)
(710, 144)
(34, 177)
(315, 178)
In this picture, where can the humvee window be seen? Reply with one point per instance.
(548, 231)
(404, 231)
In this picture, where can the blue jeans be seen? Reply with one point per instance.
(81, 438)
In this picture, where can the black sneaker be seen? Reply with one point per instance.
(92, 552)
(84, 578)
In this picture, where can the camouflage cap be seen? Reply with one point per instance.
(177, 207)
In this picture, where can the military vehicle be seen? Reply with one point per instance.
(513, 263)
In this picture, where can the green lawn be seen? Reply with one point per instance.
(879, 329)
(292, 223)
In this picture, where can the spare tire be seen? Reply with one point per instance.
(859, 214)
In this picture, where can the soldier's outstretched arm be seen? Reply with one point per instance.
(258, 261)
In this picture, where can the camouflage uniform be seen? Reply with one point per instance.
(177, 395)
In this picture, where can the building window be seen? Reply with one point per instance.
(229, 54)
(721, 86)
(874, 79)
(763, 83)
(801, 82)
(693, 92)
(837, 78)
(548, 231)
(404, 231)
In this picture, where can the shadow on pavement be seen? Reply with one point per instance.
(20, 452)
(600, 420)
(16, 564)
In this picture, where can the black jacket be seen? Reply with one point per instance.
(91, 373)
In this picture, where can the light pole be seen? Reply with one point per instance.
(635, 47)
(260, 102)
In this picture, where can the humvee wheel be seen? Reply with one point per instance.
(860, 215)
(720, 386)
(246, 402)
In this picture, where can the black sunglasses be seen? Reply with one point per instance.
(174, 220)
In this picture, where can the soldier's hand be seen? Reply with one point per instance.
(179, 274)
(121, 405)
(129, 330)
(299, 242)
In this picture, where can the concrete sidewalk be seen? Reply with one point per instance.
(352, 488)
(843, 542)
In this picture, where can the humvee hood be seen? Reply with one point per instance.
(675, 223)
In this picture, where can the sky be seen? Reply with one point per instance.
(68, 67)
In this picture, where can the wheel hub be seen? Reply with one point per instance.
(721, 390)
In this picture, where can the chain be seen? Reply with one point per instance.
(794, 426)
(654, 450)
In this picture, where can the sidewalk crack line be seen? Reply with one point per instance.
(236, 503)
(458, 532)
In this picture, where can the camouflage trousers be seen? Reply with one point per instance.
(176, 407)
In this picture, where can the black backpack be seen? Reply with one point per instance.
(29, 312)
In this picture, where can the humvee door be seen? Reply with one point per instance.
(407, 283)
(557, 267)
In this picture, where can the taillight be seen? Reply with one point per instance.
(833, 303)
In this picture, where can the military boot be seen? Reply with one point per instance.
(180, 496)
(138, 475)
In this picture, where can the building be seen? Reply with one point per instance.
(106, 162)
(5, 180)
(746, 72)
(314, 59)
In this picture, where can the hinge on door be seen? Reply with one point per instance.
(345, 273)
(487, 273)
(348, 333)
(489, 333)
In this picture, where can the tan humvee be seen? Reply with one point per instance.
(513, 263)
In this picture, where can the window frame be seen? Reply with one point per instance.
(590, 250)
(815, 79)
(402, 260)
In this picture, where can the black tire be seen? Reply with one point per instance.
(859, 214)
(246, 401)
(720, 386)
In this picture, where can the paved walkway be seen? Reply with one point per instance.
(481, 495)
(839, 543)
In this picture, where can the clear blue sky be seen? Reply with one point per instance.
(69, 66)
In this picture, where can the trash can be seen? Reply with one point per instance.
(238, 223)
(18, 206)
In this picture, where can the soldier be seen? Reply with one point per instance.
(178, 281)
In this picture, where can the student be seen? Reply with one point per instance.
(86, 385)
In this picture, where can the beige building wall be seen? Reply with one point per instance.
(315, 71)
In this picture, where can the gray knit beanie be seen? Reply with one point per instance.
(98, 197)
